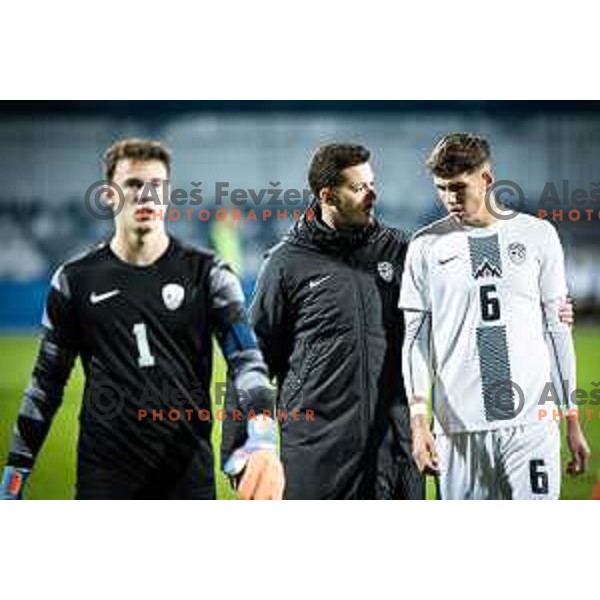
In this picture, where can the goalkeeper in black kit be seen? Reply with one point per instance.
(140, 312)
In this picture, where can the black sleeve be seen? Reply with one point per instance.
(54, 362)
(268, 315)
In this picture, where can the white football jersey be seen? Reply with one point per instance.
(484, 288)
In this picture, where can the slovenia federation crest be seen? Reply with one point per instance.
(172, 295)
(517, 252)
(386, 271)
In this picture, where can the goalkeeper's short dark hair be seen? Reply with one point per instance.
(328, 162)
(135, 149)
(458, 153)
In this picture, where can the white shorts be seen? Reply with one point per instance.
(519, 463)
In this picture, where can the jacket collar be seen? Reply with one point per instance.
(313, 232)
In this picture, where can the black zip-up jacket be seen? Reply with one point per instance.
(326, 316)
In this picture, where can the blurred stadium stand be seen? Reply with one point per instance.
(51, 153)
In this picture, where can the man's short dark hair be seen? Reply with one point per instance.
(135, 149)
(458, 153)
(329, 161)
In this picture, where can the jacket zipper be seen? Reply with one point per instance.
(363, 349)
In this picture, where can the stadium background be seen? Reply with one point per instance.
(50, 154)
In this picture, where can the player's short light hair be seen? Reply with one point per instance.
(135, 149)
(458, 153)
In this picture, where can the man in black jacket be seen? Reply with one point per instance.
(326, 317)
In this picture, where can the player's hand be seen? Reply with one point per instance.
(578, 446)
(423, 447)
(262, 478)
(13, 483)
(255, 468)
(566, 311)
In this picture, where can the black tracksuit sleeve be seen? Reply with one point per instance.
(268, 317)
(55, 359)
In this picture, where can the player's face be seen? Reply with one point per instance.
(144, 184)
(354, 199)
(464, 195)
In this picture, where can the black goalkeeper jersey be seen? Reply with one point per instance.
(144, 336)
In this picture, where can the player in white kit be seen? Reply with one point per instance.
(481, 296)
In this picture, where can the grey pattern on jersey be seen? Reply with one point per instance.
(485, 256)
(492, 341)
(495, 373)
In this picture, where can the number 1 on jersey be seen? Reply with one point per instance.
(145, 358)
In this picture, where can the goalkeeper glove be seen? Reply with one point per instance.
(13, 483)
(262, 435)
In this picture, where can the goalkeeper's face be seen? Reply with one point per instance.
(145, 187)
(464, 195)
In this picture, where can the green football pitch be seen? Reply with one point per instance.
(54, 475)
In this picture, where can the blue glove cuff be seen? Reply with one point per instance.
(13, 483)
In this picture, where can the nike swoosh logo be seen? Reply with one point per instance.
(443, 261)
(95, 298)
(316, 282)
